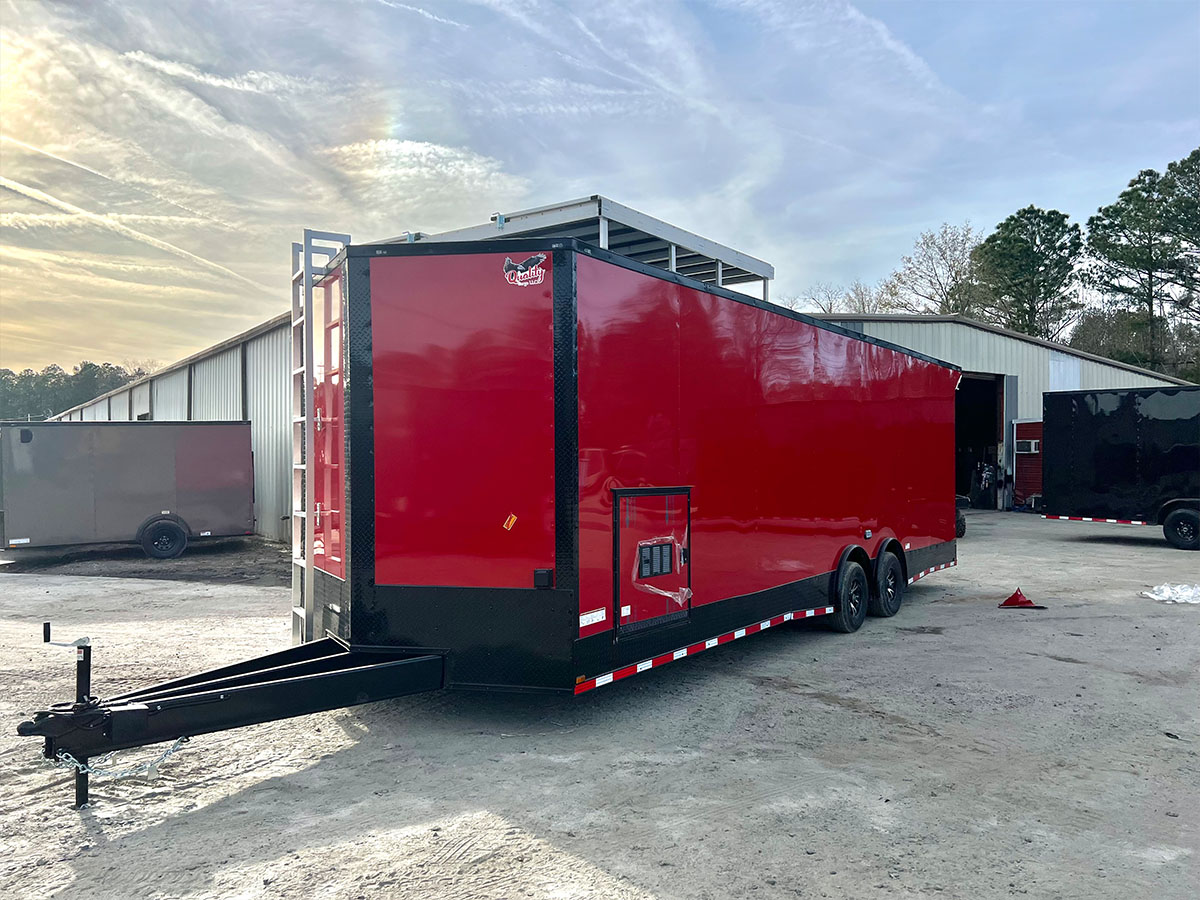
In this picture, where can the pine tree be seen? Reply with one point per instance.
(1134, 257)
(1027, 269)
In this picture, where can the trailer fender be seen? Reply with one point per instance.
(162, 517)
(1171, 505)
(856, 553)
(891, 545)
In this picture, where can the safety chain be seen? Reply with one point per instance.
(64, 760)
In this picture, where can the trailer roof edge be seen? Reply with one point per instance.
(601, 215)
(503, 245)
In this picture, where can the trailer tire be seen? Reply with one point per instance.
(1182, 529)
(164, 539)
(889, 587)
(960, 524)
(850, 599)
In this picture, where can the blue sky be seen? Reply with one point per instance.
(158, 158)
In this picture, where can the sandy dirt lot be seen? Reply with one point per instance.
(956, 750)
(234, 560)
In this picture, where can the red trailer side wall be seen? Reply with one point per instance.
(794, 439)
(464, 421)
(1028, 475)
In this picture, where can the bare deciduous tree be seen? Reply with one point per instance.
(825, 297)
(938, 276)
(862, 298)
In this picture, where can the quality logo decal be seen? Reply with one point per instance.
(525, 273)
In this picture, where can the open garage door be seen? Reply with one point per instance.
(979, 437)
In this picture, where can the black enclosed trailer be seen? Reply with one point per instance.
(1129, 457)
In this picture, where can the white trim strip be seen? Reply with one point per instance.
(692, 649)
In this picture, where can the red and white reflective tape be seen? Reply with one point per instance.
(1103, 521)
(692, 649)
(931, 570)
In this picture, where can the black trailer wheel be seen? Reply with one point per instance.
(960, 523)
(164, 540)
(850, 599)
(1182, 529)
(889, 587)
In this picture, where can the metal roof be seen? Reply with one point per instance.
(921, 318)
(241, 338)
(620, 229)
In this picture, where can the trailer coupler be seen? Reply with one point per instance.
(310, 678)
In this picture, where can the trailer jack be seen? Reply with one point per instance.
(309, 678)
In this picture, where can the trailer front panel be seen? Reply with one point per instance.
(561, 462)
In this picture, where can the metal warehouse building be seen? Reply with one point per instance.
(1005, 373)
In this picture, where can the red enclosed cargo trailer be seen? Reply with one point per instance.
(563, 464)
(538, 465)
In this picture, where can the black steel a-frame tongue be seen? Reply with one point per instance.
(308, 678)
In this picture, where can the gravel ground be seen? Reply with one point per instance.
(237, 560)
(956, 750)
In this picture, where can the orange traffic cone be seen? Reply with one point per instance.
(1019, 601)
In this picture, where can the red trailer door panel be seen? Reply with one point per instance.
(463, 353)
(653, 577)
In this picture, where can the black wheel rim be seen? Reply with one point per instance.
(1186, 530)
(164, 541)
(855, 598)
(889, 587)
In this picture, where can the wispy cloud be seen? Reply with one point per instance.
(420, 11)
(83, 168)
(159, 158)
(124, 230)
(23, 220)
(251, 82)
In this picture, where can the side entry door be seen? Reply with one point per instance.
(652, 580)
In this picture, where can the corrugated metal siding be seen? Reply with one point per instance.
(217, 387)
(268, 360)
(983, 351)
(170, 396)
(1093, 376)
(118, 407)
(96, 412)
(139, 399)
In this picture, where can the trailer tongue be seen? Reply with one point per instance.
(309, 678)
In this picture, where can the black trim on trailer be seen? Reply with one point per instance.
(505, 245)
(501, 638)
(599, 653)
(358, 454)
(927, 557)
(566, 422)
